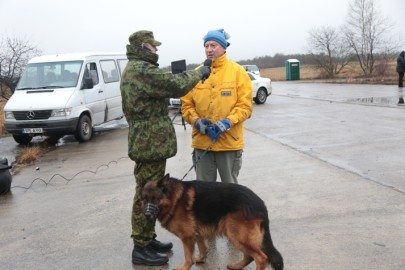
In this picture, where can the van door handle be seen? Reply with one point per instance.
(100, 91)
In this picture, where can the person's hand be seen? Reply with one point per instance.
(222, 125)
(201, 125)
(214, 131)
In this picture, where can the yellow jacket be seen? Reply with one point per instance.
(227, 93)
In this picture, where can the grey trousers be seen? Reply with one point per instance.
(226, 163)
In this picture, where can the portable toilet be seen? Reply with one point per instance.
(292, 69)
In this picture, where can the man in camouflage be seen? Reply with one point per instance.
(151, 135)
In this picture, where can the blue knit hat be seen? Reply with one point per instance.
(219, 36)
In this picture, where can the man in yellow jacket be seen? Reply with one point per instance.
(217, 109)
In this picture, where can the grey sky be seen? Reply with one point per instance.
(257, 27)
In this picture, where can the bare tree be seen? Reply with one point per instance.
(14, 56)
(329, 50)
(367, 33)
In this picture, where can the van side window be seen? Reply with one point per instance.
(110, 71)
(90, 71)
(122, 63)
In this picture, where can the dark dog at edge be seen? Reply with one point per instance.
(196, 211)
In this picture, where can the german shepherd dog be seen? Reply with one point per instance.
(196, 211)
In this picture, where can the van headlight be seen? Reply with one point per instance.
(61, 112)
(8, 115)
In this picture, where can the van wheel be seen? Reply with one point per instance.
(22, 139)
(261, 96)
(84, 130)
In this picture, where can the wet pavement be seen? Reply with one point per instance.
(328, 160)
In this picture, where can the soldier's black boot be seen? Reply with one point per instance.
(148, 256)
(160, 246)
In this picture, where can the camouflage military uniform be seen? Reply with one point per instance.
(151, 135)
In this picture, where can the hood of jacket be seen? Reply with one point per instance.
(138, 53)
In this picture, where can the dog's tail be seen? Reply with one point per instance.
(274, 257)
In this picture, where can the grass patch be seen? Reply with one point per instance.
(352, 73)
(29, 154)
(26, 157)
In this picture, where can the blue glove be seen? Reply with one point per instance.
(202, 124)
(222, 125)
(214, 131)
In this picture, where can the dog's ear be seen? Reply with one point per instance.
(163, 181)
(166, 178)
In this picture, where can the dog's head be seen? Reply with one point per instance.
(154, 194)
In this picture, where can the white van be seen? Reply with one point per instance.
(65, 94)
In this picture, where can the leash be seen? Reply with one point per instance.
(198, 159)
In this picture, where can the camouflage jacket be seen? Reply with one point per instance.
(144, 89)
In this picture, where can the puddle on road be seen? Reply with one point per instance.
(382, 101)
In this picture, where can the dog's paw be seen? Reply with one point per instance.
(182, 267)
(199, 259)
(234, 266)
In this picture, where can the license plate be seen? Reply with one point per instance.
(32, 130)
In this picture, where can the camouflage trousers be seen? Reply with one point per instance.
(143, 231)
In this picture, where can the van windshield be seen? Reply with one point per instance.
(50, 75)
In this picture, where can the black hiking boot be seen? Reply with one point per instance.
(160, 246)
(148, 256)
